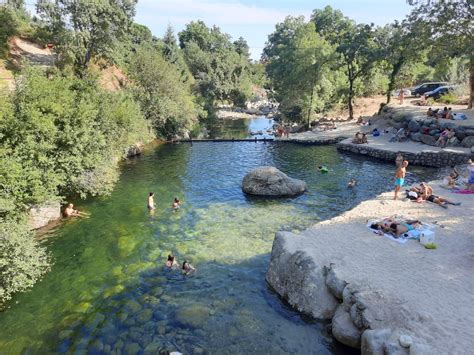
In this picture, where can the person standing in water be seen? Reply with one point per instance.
(400, 177)
(151, 201)
(176, 203)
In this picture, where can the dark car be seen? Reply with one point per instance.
(437, 93)
(425, 87)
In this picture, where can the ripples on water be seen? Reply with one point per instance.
(108, 292)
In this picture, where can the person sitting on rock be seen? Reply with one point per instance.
(430, 113)
(453, 177)
(188, 268)
(444, 137)
(364, 138)
(449, 114)
(171, 263)
(357, 138)
(69, 211)
(443, 113)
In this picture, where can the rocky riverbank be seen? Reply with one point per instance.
(381, 296)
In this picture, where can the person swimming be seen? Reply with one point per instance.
(176, 203)
(188, 268)
(151, 201)
(351, 183)
(323, 169)
(171, 263)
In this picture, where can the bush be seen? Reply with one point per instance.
(449, 98)
(22, 261)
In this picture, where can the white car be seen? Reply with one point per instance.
(406, 92)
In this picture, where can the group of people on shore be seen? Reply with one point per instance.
(446, 113)
(424, 192)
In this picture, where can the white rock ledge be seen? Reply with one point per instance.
(384, 297)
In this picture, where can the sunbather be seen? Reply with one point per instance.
(395, 227)
(427, 195)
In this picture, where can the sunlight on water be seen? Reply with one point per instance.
(108, 291)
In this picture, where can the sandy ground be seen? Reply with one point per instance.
(434, 288)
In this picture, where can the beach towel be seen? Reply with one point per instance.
(461, 191)
(459, 116)
(414, 234)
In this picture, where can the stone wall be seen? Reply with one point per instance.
(316, 141)
(428, 129)
(425, 158)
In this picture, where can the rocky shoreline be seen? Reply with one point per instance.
(381, 296)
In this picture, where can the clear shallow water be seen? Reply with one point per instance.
(108, 291)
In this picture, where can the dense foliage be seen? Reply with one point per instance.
(22, 260)
(365, 60)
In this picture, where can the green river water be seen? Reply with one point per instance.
(108, 292)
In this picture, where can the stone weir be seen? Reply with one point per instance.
(422, 155)
(381, 296)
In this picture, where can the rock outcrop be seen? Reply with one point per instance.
(269, 181)
(40, 215)
(381, 297)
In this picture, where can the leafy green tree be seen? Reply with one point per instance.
(400, 46)
(166, 101)
(86, 28)
(298, 65)
(354, 42)
(221, 72)
(449, 26)
(242, 48)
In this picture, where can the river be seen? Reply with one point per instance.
(108, 291)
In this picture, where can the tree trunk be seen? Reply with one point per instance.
(310, 107)
(393, 75)
(471, 82)
(351, 96)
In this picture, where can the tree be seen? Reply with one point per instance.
(166, 101)
(449, 25)
(221, 72)
(242, 48)
(400, 46)
(355, 44)
(359, 52)
(86, 28)
(298, 61)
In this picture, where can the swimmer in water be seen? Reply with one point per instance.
(176, 203)
(323, 169)
(171, 263)
(188, 268)
(351, 183)
(151, 201)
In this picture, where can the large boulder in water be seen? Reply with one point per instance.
(269, 181)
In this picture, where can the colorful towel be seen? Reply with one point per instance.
(414, 234)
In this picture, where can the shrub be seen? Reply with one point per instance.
(22, 261)
(449, 98)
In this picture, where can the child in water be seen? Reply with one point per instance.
(351, 183)
(171, 263)
(176, 203)
(188, 268)
(323, 169)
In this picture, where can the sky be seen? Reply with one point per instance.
(255, 20)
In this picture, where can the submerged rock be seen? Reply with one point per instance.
(269, 181)
(195, 316)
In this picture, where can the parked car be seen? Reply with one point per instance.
(406, 92)
(425, 87)
(437, 93)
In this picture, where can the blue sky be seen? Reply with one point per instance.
(255, 20)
